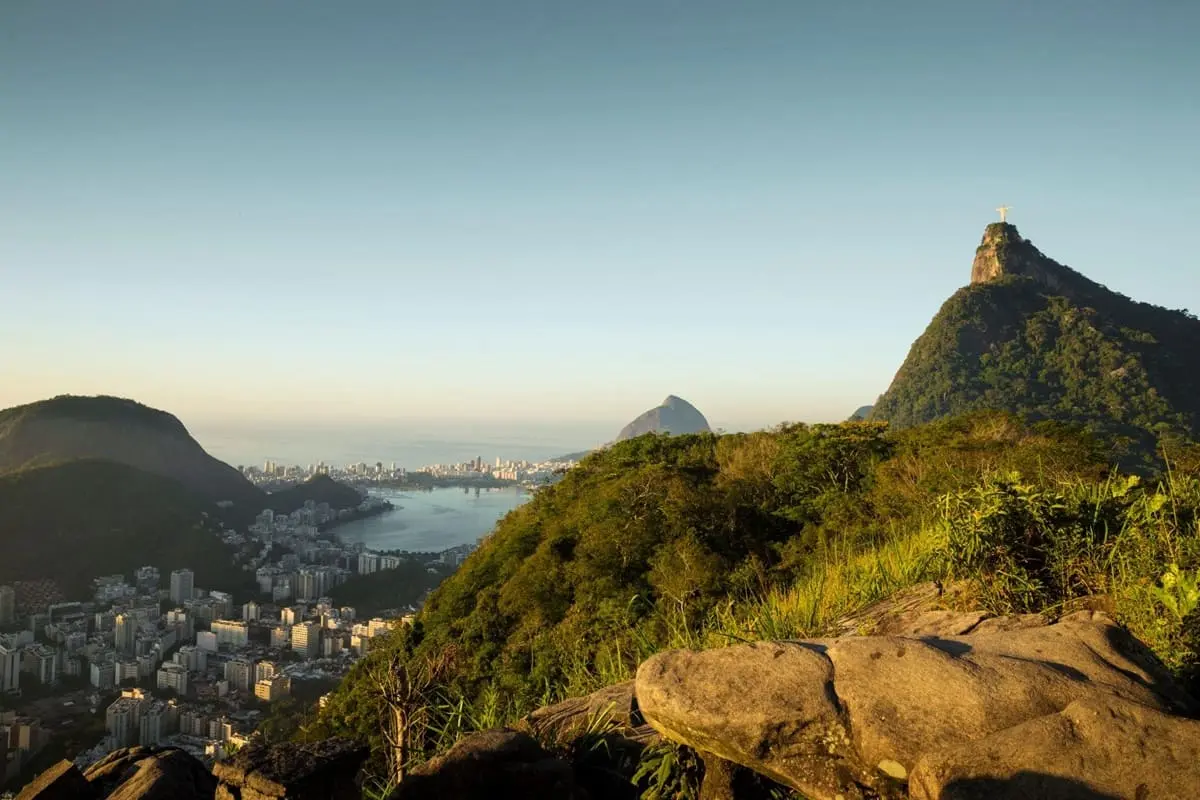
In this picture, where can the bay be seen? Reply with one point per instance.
(433, 521)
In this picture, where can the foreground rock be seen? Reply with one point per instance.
(63, 781)
(1093, 748)
(324, 770)
(132, 773)
(853, 717)
(498, 765)
(151, 773)
(603, 735)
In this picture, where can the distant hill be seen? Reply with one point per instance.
(114, 429)
(1034, 337)
(75, 521)
(319, 489)
(862, 413)
(674, 416)
(582, 454)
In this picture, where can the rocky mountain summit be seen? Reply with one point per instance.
(1032, 336)
(914, 701)
(70, 428)
(673, 416)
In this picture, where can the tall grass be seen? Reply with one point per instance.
(1020, 546)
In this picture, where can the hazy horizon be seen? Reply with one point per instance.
(412, 443)
(543, 214)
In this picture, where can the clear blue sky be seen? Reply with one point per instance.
(560, 210)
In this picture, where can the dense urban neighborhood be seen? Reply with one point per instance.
(152, 658)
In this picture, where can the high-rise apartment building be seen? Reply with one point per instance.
(233, 632)
(240, 674)
(281, 637)
(158, 720)
(274, 688)
(8, 605)
(41, 662)
(173, 676)
(250, 611)
(122, 719)
(306, 639)
(183, 585)
(125, 631)
(10, 668)
(103, 676)
(263, 670)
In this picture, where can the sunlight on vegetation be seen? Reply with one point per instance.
(705, 541)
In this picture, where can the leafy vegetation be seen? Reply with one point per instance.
(1075, 352)
(319, 489)
(75, 521)
(704, 540)
(388, 589)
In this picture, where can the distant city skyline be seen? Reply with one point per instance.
(543, 217)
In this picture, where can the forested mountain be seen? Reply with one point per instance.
(1037, 338)
(76, 521)
(319, 489)
(114, 429)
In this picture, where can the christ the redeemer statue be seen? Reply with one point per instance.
(1003, 213)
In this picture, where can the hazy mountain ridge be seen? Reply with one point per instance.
(1035, 337)
(114, 429)
(673, 416)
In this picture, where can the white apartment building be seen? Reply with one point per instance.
(239, 673)
(306, 639)
(233, 632)
(122, 719)
(173, 676)
(192, 658)
(103, 676)
(41, 662)
(281, 637)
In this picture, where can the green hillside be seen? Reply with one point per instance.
(1036, 338)
(319, 489)
(705, 540)
(69, 428)
(74, 521)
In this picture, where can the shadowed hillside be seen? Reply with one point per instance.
(76, 521)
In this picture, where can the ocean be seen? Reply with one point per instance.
(409, 448)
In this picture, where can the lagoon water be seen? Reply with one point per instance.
(433, 520)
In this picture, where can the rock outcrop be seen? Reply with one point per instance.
(324, 770)
(493, 765)
(132, 773)
(1093, 748)
(63, 781)
(673, 416)
(910, 702)
(855, 717)
(150, 773)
